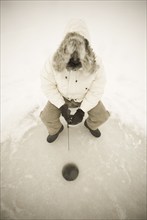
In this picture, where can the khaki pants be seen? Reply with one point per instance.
(50, 116)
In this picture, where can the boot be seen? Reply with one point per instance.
(52, 138)
(95, 133)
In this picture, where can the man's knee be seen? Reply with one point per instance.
(49, 113)
(42, 116)
(99, 113)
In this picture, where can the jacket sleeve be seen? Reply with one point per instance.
(95, 92)
(49, 86)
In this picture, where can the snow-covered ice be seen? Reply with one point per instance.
(111, 182)
(112, 169)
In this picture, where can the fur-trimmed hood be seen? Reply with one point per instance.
(76, 38)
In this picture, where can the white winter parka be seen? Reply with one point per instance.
(79, 86)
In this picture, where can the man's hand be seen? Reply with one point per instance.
(77, 117)
(65, 112)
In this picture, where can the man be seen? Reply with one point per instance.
(73, 78)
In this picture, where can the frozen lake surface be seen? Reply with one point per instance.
(111, 183)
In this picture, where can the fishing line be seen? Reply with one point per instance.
(68, 136)
(69, 122)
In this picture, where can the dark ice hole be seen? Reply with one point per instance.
(70, 172)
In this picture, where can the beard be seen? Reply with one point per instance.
(74, 62)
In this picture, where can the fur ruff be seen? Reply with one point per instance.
(75, 42)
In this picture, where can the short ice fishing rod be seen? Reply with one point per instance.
(68, 123)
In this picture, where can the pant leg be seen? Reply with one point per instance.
(97, 116)
(50, 116)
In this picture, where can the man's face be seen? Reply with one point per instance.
(74, 62)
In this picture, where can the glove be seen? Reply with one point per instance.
(77, 117)
(65, 112)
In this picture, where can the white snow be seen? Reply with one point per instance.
(30, 32)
